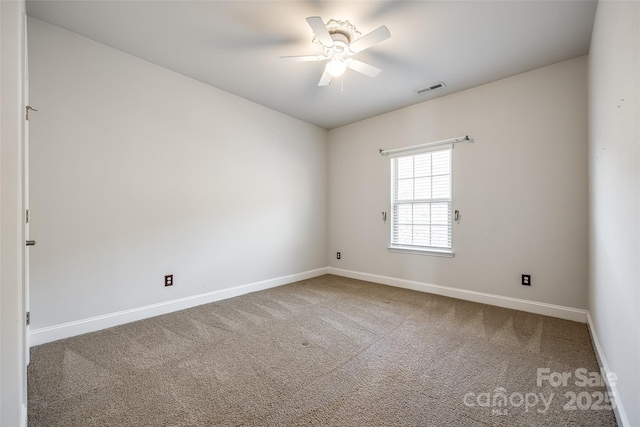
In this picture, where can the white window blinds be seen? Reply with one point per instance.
(421, 200)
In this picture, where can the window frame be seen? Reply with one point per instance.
(419, 249)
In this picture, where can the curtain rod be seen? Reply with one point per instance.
(428, 144)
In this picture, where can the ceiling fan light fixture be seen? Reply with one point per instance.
(336, 67)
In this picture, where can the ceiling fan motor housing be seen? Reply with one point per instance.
(339, 49)
(341, 32)
(340, 37)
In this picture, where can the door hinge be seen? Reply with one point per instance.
(29, 109)
(28, 318)
(27, 216)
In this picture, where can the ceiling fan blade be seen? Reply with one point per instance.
(320, 30)
(374, 37)
(361, 67)
(302, 58)
(325, 79)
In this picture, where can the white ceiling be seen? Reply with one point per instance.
(235, 45)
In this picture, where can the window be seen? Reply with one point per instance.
(421, 202)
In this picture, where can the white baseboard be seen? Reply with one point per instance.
(92, 324)
(621, 415)
(545, 309)
(23, 416)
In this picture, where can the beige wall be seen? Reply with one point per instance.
(614, 166)
(138, 172)
(521, 187)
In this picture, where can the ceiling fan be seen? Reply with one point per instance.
(340, 40)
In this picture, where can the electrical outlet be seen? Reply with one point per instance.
(338, 255)
(526, 280)
(168, 280)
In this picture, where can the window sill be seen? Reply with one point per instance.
(446, 253)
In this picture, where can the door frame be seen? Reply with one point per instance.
(25, 190)
(13, 396)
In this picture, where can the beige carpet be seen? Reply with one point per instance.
(323, 352)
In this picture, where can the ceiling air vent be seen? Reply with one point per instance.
(436, 86)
